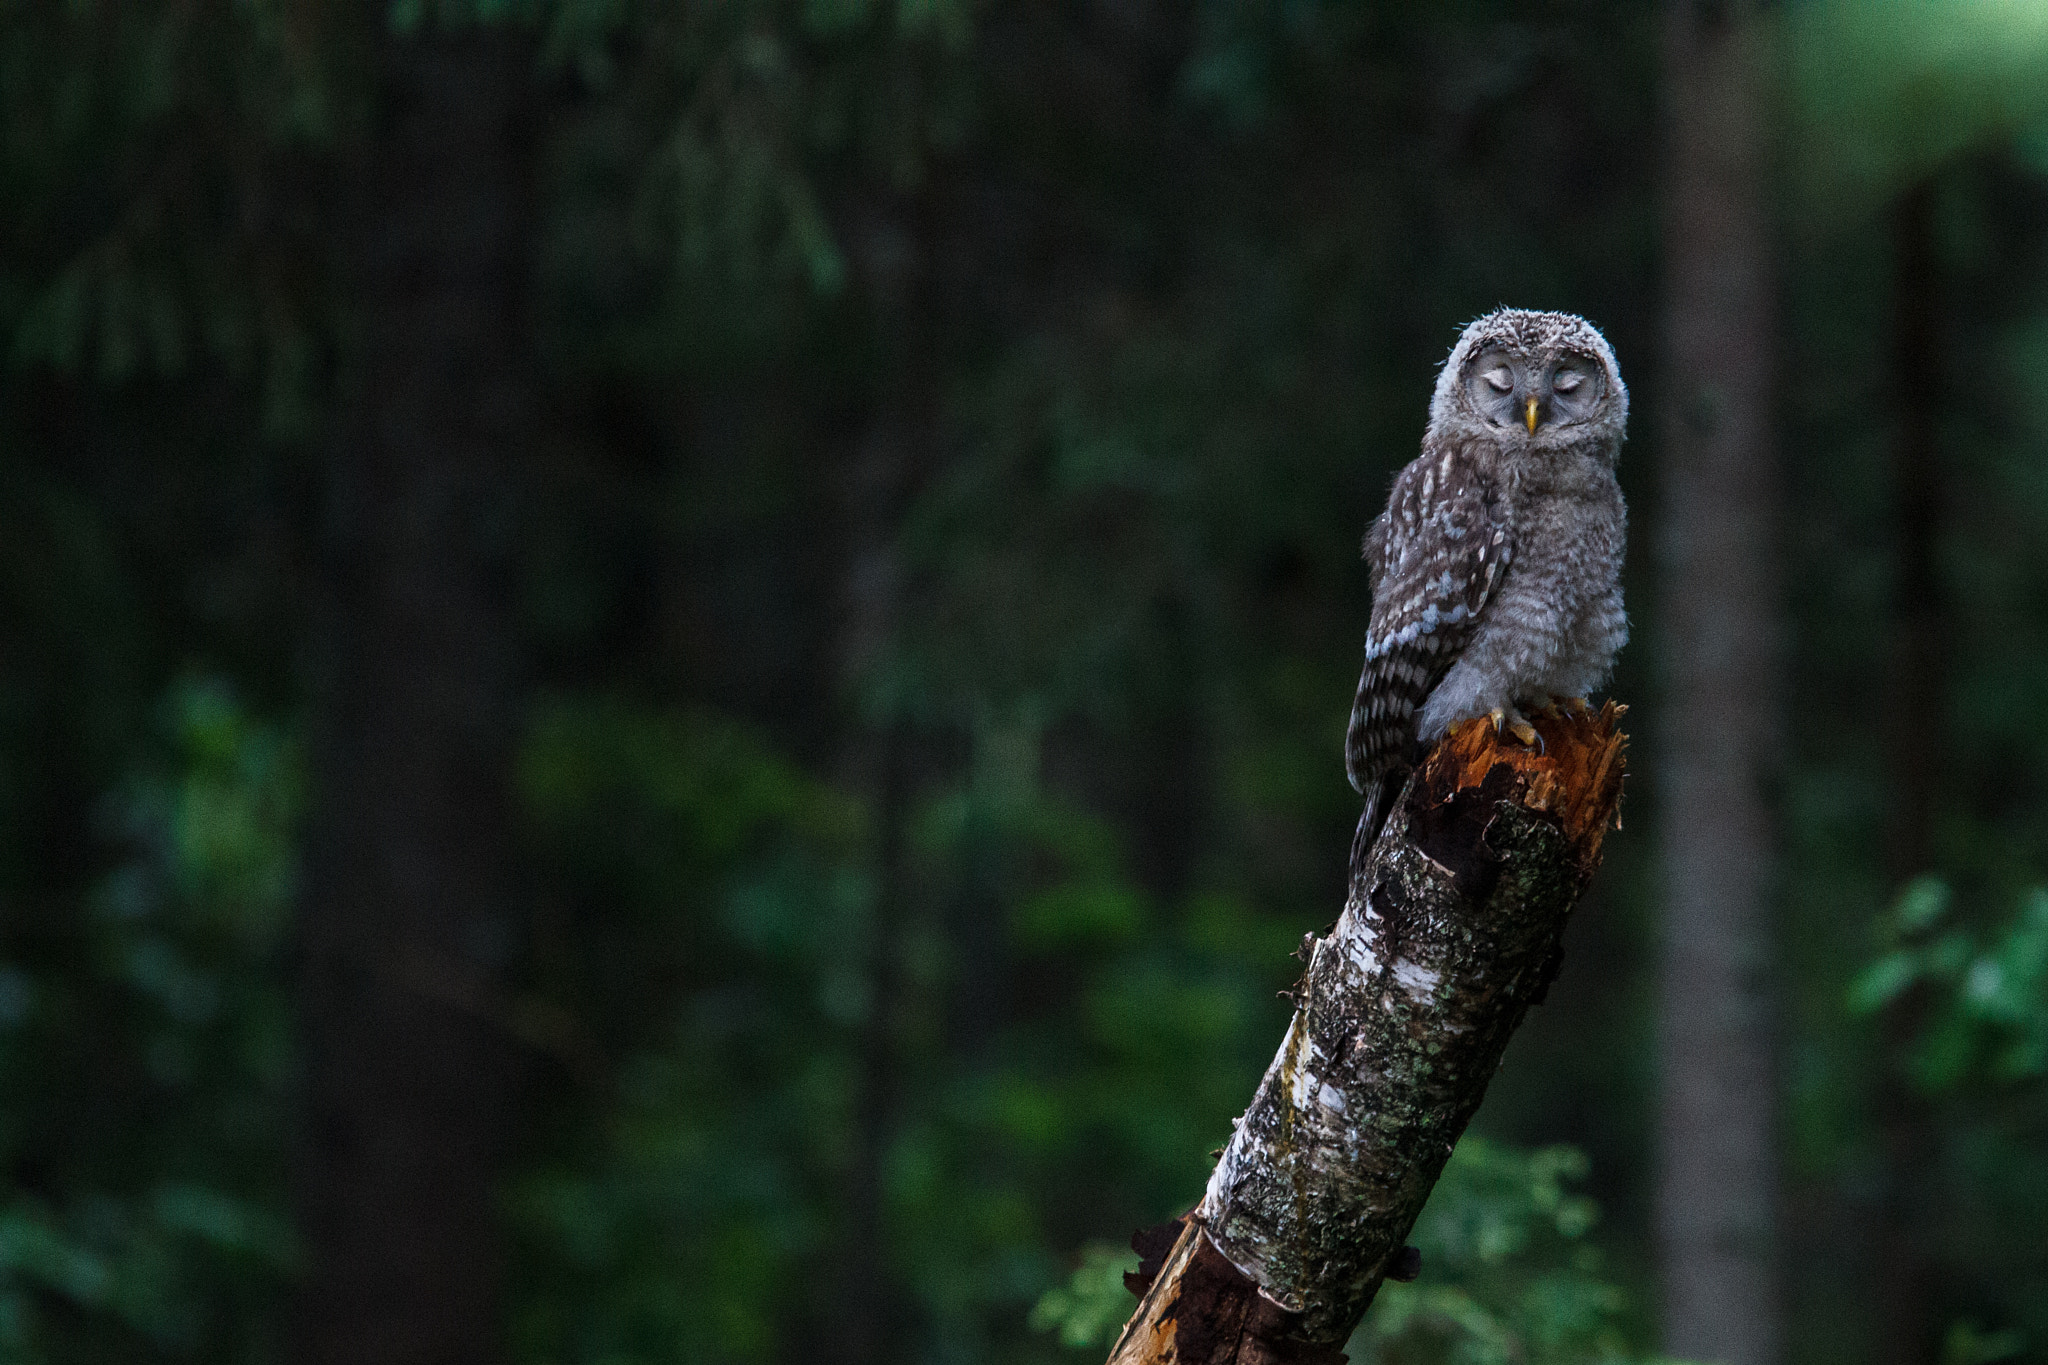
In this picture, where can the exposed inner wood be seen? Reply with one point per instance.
(1575, 775)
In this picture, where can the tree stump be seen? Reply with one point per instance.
(1452, 929)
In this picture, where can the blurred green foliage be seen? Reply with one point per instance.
(1510, 1270)
(146, 1056)
(1968, 988)
(1989, 1024)
(671, 1218)
(1882, 95)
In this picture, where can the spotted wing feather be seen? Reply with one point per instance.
(1437, 555)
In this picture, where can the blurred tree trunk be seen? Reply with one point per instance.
(875, 766)
(1914, 740)
(406, 922)
(874, 485)
(1721, 722)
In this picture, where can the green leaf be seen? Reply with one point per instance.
(1968, 1344)
(1088, 1311)
(1920, 903)
(1882, 982)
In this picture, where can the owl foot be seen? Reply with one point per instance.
(1506, 717)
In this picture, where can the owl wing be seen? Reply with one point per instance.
(1437, 555)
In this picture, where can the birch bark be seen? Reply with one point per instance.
(1452, 929)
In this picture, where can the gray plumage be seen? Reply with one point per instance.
(1496, 567)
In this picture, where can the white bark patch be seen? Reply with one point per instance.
(1358, 947)
(1416, 979)
(1306, 1082)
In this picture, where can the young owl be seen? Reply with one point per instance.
(1496, 568)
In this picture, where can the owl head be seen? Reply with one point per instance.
(1547, 377)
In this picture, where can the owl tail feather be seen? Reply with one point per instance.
(1380, 795)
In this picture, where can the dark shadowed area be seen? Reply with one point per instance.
(673, 672)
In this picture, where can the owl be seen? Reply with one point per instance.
(1496, 567)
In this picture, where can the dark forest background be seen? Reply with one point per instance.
(672, 671)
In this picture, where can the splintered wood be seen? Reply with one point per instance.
(1575, 773)
(1453, 928)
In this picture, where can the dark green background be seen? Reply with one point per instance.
(1180, 276)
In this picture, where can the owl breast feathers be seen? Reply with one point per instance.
(1496, 566)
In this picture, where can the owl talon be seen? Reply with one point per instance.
(1517, 726)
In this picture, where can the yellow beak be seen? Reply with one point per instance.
(1529, 415)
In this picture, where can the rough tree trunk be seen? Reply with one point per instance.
(1452, 929)
(1720, 722)
(407, 921)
